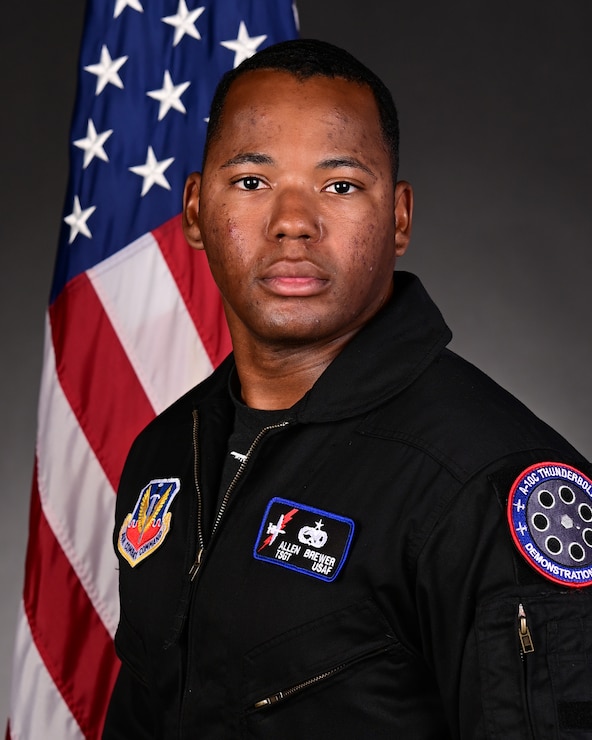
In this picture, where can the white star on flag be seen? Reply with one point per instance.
(93, 144)
(184, 22)
(169, 96)
(296, 16)
(121, 5)
(77, 220)
(153, 171)
(244, 46)
(107, 70)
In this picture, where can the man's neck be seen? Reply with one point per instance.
(276, 378)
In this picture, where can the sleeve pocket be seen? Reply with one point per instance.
(535, 656)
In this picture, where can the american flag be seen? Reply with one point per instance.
(134, 321)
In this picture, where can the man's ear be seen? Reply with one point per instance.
(403, 216)
(191, 211)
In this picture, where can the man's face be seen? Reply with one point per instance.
(296, 209)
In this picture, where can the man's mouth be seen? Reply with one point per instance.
(294, 279)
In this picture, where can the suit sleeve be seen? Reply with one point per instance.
(511, 650)
(131, 711)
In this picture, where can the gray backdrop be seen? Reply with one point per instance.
(496, 119)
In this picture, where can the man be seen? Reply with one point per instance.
(346, 531)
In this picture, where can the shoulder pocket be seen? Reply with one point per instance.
(535, 655)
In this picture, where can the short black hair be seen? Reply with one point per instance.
(306, 58)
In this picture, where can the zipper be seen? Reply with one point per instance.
(200, 540)
(526, 643)
(526, 648)
(319, 678)
(201, 547)
(274, 698)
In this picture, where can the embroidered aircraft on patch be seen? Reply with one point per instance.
(304, 539)
(144, 530)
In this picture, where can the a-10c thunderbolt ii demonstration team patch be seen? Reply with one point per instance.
(550, 516)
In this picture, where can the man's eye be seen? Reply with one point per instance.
(341, 188)
(249, 183)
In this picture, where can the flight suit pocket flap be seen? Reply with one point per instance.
(324, 644)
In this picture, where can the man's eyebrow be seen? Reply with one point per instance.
(336, 162)
(249, 158)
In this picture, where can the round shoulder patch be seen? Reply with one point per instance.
(550, 516)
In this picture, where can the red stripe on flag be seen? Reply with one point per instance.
(71, 639)
(192, 274)
(96, 375)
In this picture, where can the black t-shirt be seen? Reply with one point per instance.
(248, 423)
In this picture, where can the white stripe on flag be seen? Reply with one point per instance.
(142, 300)
(76, 497)
(37, 707)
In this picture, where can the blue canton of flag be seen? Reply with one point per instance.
(147, 74)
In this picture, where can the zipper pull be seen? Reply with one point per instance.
(524, 632)
(269, 701)
(196, 565)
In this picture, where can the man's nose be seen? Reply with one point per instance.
(294, 215)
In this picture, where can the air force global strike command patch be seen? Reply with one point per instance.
(550, 516)
(304, 539)
(144, 530)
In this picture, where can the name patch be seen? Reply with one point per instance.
(144, 530)
(304, 539)
(550, 516)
